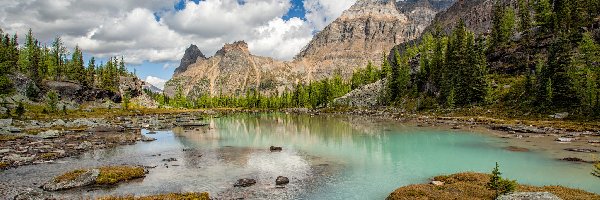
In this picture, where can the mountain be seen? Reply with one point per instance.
(361, 34)
(233, 70)
(151, 88)
(364, 33)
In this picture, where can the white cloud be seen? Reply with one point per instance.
(157, 82)
(320, 13)
(106, 28)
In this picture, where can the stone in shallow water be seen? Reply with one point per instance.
(275, 149)
(87, 178)
(529, 196)
(245, 182)
(581, 150)
(282, 180)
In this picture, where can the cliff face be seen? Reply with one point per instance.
(364, 33)
(361, 34)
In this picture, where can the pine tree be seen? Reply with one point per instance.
(524, 15)
(560, 85)
(91, 73)
(76, 69)
(543, 15)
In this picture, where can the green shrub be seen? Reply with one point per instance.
(20, 110)
(52, 101)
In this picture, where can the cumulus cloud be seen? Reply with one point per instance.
(154, 31)
(157, 82)
(320, 13)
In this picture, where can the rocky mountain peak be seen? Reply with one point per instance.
(372, 9)
(190, 57)
(239, 46)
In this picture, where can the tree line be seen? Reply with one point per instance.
(41, 62)
(313, 95)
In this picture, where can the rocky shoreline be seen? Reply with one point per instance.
(27, 142)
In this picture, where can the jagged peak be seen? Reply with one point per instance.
(236, 46)
(192, 53)
(372, 8)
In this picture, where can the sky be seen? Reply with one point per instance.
(152, 35)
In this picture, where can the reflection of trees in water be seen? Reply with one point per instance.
(311, 133)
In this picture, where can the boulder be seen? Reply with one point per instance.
(245, 182)
(282, 180)
(529, 196)
(275, 149)
(437, 183)
(169, 160)
(87, 178)
(147, 139)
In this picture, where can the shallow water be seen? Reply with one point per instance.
(325, 157)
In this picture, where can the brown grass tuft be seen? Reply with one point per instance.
(473, 186)
(114, 174)
(69, 176)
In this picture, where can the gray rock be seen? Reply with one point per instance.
(18, 158)
(49, 134)
(245, 182)
(581, 150)
(80, 123)
(87, 178)
(560, 115)
(58, 122)
(6, 122)
(282, 180)
(565, 139)
(147, 139)
(529, 196)
(84, 145)
(106, 128)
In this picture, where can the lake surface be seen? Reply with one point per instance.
(325, 157)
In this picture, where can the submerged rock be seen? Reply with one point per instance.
(34, 194)
(84, 179)
(169, 160)
(245, 182)
(147, 139)
(529, 196)
(275, 149)
(282, 180)
(581, 150)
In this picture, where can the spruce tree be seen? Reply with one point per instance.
(524, 15)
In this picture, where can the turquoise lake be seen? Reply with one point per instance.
(325, 157)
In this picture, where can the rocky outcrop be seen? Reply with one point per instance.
(365, 96)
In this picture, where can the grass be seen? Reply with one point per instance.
(69, 176)
(5, 138)
(113, 174)
(473, 186)
(171, 196)
(3, 165)
(47, 156)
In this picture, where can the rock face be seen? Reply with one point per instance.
(361, 34)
